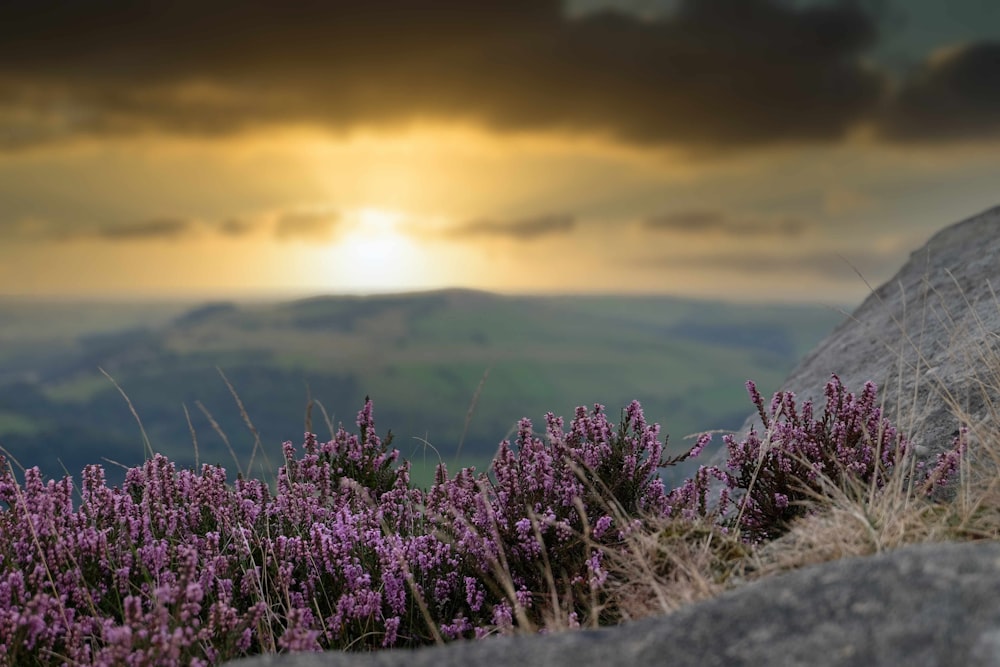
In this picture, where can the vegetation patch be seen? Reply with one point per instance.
(571, 526)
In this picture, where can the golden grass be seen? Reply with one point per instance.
(677, 563)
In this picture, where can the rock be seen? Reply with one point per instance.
(930, 604)
(925, 337)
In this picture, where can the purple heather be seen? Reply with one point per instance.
(182, 567)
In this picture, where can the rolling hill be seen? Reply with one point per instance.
(421, 357)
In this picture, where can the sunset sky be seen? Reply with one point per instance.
(742, 149)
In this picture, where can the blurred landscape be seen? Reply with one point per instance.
(421, 357)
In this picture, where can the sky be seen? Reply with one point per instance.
(748, 150)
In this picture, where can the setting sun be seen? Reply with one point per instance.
(374, 254)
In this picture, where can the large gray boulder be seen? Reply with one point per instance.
(930, 605)
(929, 338)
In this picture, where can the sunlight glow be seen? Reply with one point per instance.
(374, 254)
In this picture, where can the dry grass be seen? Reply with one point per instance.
(677, 563)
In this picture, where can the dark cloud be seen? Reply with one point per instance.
(686, 221)
(712, 74)
(293, 225)
(146, 230)
(235, 227)
(826, 264)
(524, 230)
(701, 221)
(152, 229)
(952, 96)
(318, 226)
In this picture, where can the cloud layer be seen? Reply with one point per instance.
(701, 221)
(527, 229)
(292, 225)
(714, 74)
(955, 95)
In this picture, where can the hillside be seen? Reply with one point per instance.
(420, 357)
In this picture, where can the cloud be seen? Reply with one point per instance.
(954, 95)
(289, 225)
(234, 227)
(701, 221)
(686, 221)
(841, 265)
(527, 229)
(146, 230)
(152, 229)
(305, 225)
(711, 74)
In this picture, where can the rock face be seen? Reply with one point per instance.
(928, 605)
(926, 338)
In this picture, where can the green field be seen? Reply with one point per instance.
(421, 358)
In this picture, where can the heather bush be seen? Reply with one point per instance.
(181, 567)
(537, 532)
(773, 477)
(801, 453)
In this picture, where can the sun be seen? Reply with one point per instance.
(377, 222)
(375, 254)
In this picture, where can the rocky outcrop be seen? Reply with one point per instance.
(929, 337)
(930, 605)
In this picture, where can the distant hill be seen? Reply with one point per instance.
(420, 357)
